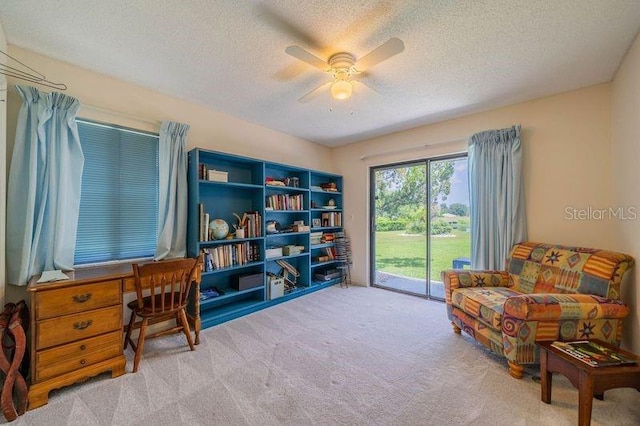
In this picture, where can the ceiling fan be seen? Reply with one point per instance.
(342, 66)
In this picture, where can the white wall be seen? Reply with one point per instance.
(3, 165)
(567, 162)
(625, 137)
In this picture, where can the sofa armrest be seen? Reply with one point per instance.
(458, 278)
(550, 306)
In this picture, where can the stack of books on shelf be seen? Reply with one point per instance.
(332, 219)
(227, 255)
(593, 353)
(315, 238)
(285, 202)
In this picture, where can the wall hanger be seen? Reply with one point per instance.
(23, 71)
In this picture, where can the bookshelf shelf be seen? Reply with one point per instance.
(223, 186)
(232, 268)
(322, 191)
(326, 228)
(285, 211)
(287, 234)
(285, 188)
(232, 185)
(228, 294)
(325, 282)
(323, 245)
(291, 256)
(328, 262)
(235, 240)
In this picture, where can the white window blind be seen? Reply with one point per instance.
(119, 198)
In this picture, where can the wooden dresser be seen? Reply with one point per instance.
(76, 327)
(76, 330)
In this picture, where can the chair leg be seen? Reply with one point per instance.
(140, 348)
(127, 337)
(185, 328)
(456, 329)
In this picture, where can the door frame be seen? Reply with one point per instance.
(372, 210)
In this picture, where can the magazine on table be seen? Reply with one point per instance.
(593, 353)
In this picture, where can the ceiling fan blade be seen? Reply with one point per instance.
(309, 58)
(279, 23)
(380, 53)
(363, 84)
(315, 92)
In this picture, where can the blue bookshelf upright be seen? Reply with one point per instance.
(294, 213)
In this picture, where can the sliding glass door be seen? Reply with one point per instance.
(419, 224)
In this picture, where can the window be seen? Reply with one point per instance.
(119, 198)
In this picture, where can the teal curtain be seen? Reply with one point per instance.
(43, 196)
(497, 208)
(172, 191)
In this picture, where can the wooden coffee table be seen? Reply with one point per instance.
(590, 381)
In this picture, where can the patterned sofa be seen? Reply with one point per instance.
(548, 292)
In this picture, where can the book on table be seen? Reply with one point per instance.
(593, 353)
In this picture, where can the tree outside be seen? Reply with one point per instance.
(401, 219)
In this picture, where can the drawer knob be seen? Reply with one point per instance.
(83, 361)
(82, 324)
(81, 298)
(83, 347)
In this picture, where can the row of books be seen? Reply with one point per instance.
(252, 224)
(329, 252)
(228, 255)
(285, 202)
(331, 219)
(593, 353)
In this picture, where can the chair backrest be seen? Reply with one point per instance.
(551, 268)
(168, 283)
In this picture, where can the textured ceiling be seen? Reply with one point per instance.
(460, 56)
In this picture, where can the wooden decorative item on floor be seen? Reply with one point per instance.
(14, 322)
(166, 287)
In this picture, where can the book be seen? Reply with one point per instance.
(593, 353)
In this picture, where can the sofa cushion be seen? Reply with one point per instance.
(484, 303)
(547, 268)
(555, 307)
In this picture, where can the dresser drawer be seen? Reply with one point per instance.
(79, 298)
(63, 359)
(69, 328)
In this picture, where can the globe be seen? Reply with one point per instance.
(219, 228)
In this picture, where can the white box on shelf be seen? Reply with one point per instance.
(276, 288)
(273, 252)
(217, 176)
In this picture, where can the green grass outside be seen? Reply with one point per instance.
(405, 254)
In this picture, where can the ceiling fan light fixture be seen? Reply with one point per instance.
(341, 90)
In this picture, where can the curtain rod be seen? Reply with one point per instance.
(12, 88)
(120, 114)
(413, 148)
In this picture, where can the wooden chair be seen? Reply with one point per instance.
(166, 285)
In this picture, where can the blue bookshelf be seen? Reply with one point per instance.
(288, 196)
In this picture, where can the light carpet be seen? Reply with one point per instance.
(339, 356)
